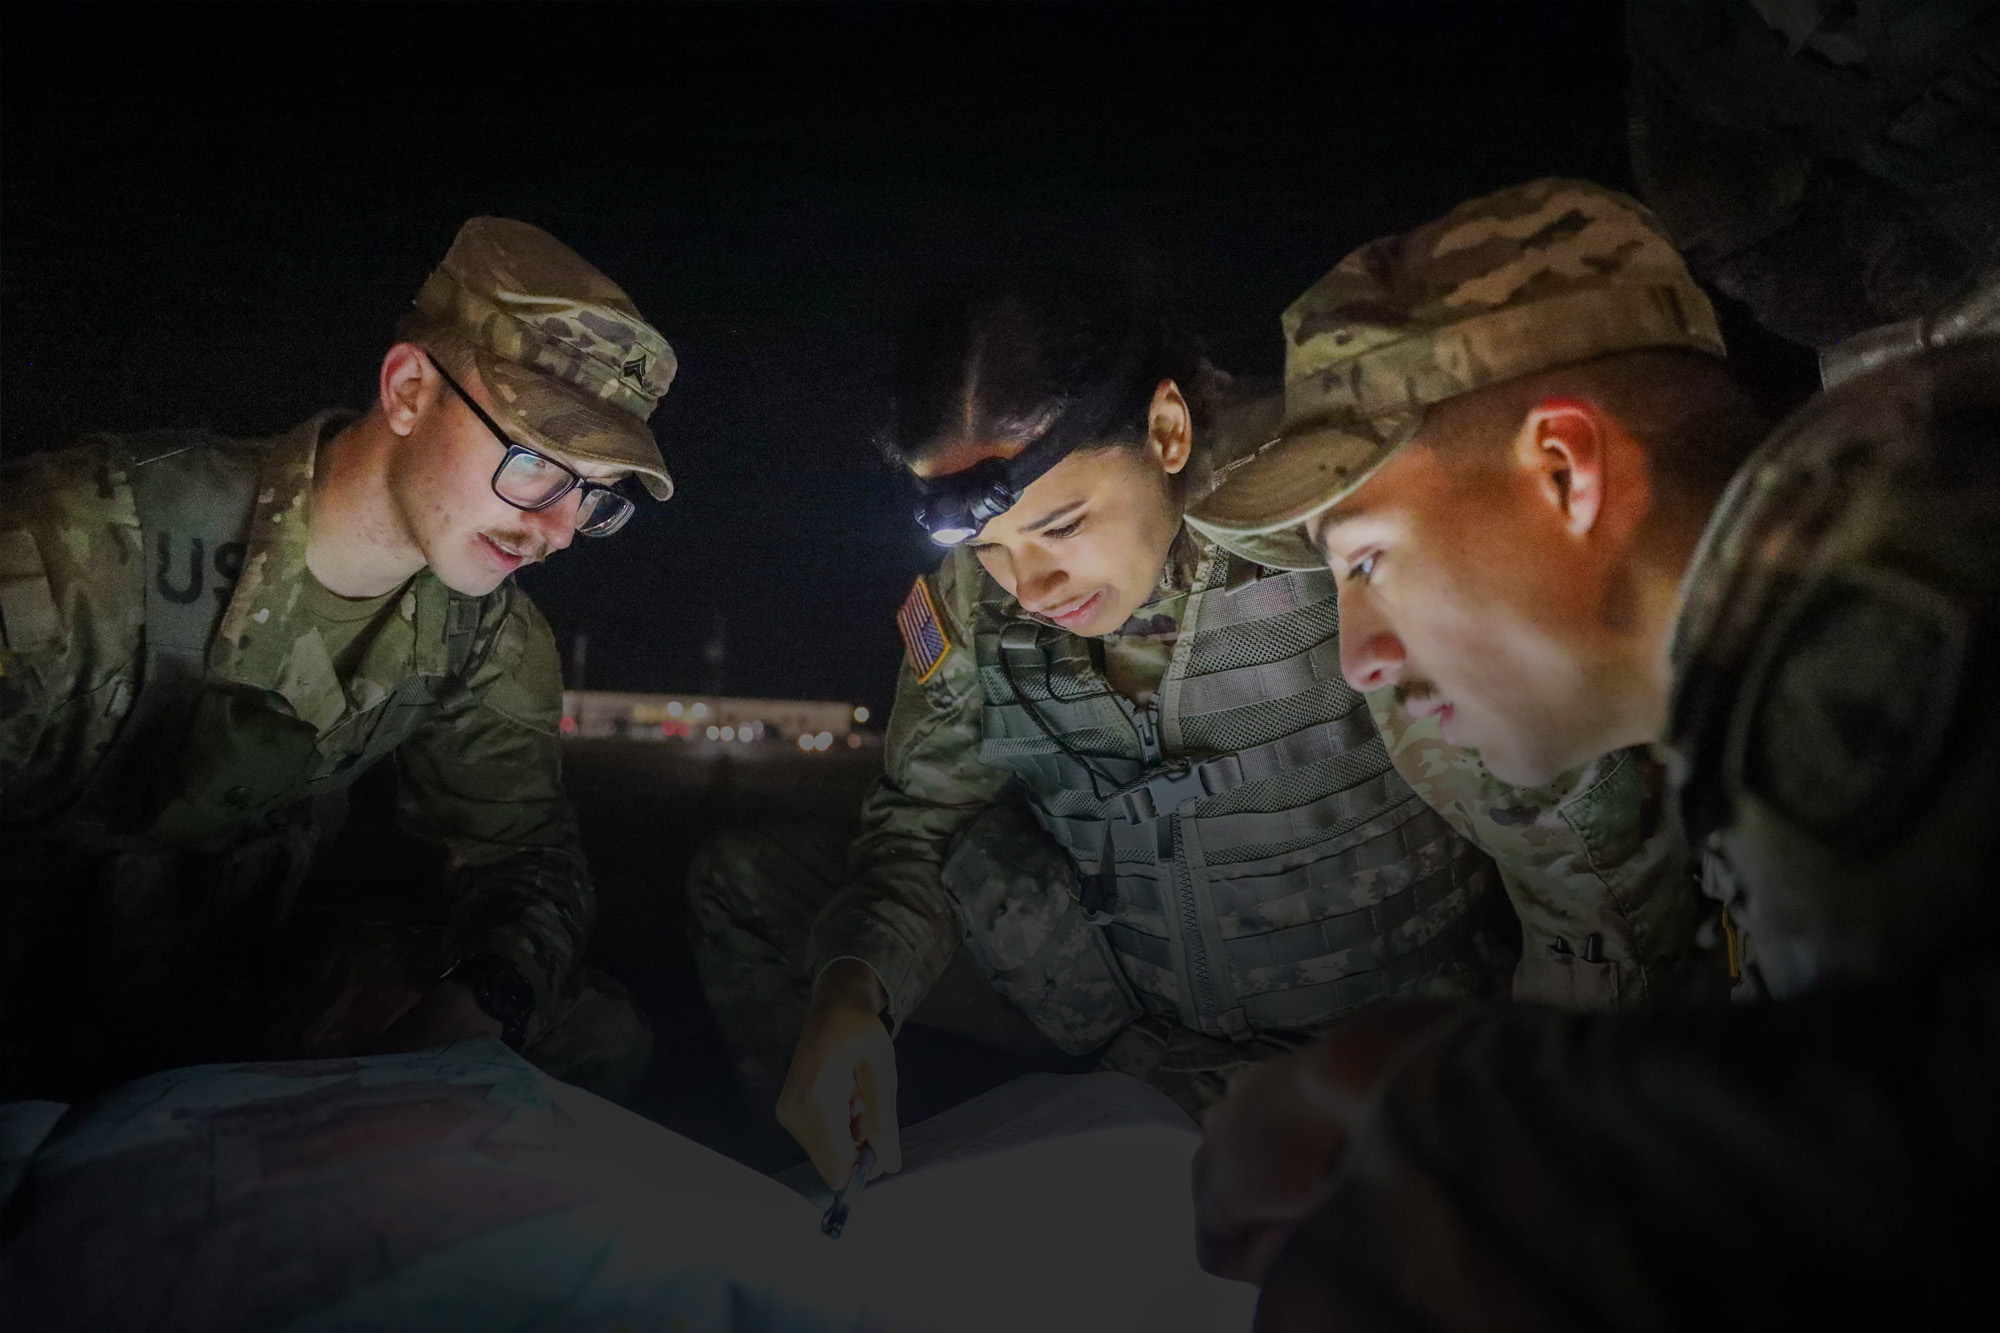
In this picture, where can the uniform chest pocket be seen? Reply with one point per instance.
(243, 760)
(1613, 819)
(362, 741)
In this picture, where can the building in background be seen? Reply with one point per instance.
(707, 719)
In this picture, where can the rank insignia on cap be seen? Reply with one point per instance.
(923, 637)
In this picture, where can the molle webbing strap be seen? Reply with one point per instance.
(1223, 773)
(1358, 860)
(1329, 883)
(1332, 817)
(1287, 754)
(1328, 816)
(1266, 598)
(1240, 687)
(1140, 945)
(1299, 1006)
(1316, 939)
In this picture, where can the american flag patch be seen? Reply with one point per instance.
(923, 636)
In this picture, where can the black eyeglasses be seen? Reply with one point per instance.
(531, 481)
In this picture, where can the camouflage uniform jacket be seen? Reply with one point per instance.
(1371, 895)
(893, 913)
(1594, 864)
(276, 724)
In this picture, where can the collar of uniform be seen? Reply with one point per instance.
(1184, 559)
(248, 649)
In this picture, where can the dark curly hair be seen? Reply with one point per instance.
(1013, 358)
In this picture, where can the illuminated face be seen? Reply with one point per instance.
(1458, 589)
(441, 480)
(1084, 545)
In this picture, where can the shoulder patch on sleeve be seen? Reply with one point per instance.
(923, 632)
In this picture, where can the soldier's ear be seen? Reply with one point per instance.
(408, 383)
(1170, 427)
(1562, 445)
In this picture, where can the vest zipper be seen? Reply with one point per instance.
(1206, 1010)
(1147, 725)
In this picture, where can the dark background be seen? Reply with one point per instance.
(214, 217)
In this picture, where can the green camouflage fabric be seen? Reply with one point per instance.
(277, 727)
(754, 895)
(571, 364)
(1594, 864)
(1835, 737)
(1531, 278)
(1018, 894)
(893, 913)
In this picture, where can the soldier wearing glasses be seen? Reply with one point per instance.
(206, 641)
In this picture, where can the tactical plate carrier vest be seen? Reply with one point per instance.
(1266, 866)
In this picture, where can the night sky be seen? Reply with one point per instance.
(214, 217)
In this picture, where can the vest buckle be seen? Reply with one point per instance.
(1163, 792)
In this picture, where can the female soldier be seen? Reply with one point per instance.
(1122, 764)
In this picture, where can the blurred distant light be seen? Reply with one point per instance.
(713, 732)
(805, 742)
(729, 733)
(853, 741)
(824, 739)
(698, 712)
(861, 712)
(674, 708)
(568, 725)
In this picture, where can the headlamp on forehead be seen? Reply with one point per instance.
(958, 505)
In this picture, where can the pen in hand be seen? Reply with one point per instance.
(837, 1212)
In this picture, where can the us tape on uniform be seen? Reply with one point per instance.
(923, 633)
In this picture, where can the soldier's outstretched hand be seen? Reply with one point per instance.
(1272, 1144)
(841, 1090)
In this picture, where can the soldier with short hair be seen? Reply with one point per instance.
(207, 640)
(1510, 435)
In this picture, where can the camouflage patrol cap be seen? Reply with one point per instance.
(571, 364)
(1532, 278)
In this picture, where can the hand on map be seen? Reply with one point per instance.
(1272, 1144)
(841, 1090)
(446, 1013)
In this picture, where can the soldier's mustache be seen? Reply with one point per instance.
(1414, 691)
(530, 549)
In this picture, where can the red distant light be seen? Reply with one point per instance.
(568, 725)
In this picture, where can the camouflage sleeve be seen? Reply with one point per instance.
(72, 614)
(1734, 1165)
(893, 912)
(1594, 866)
(483, 776)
